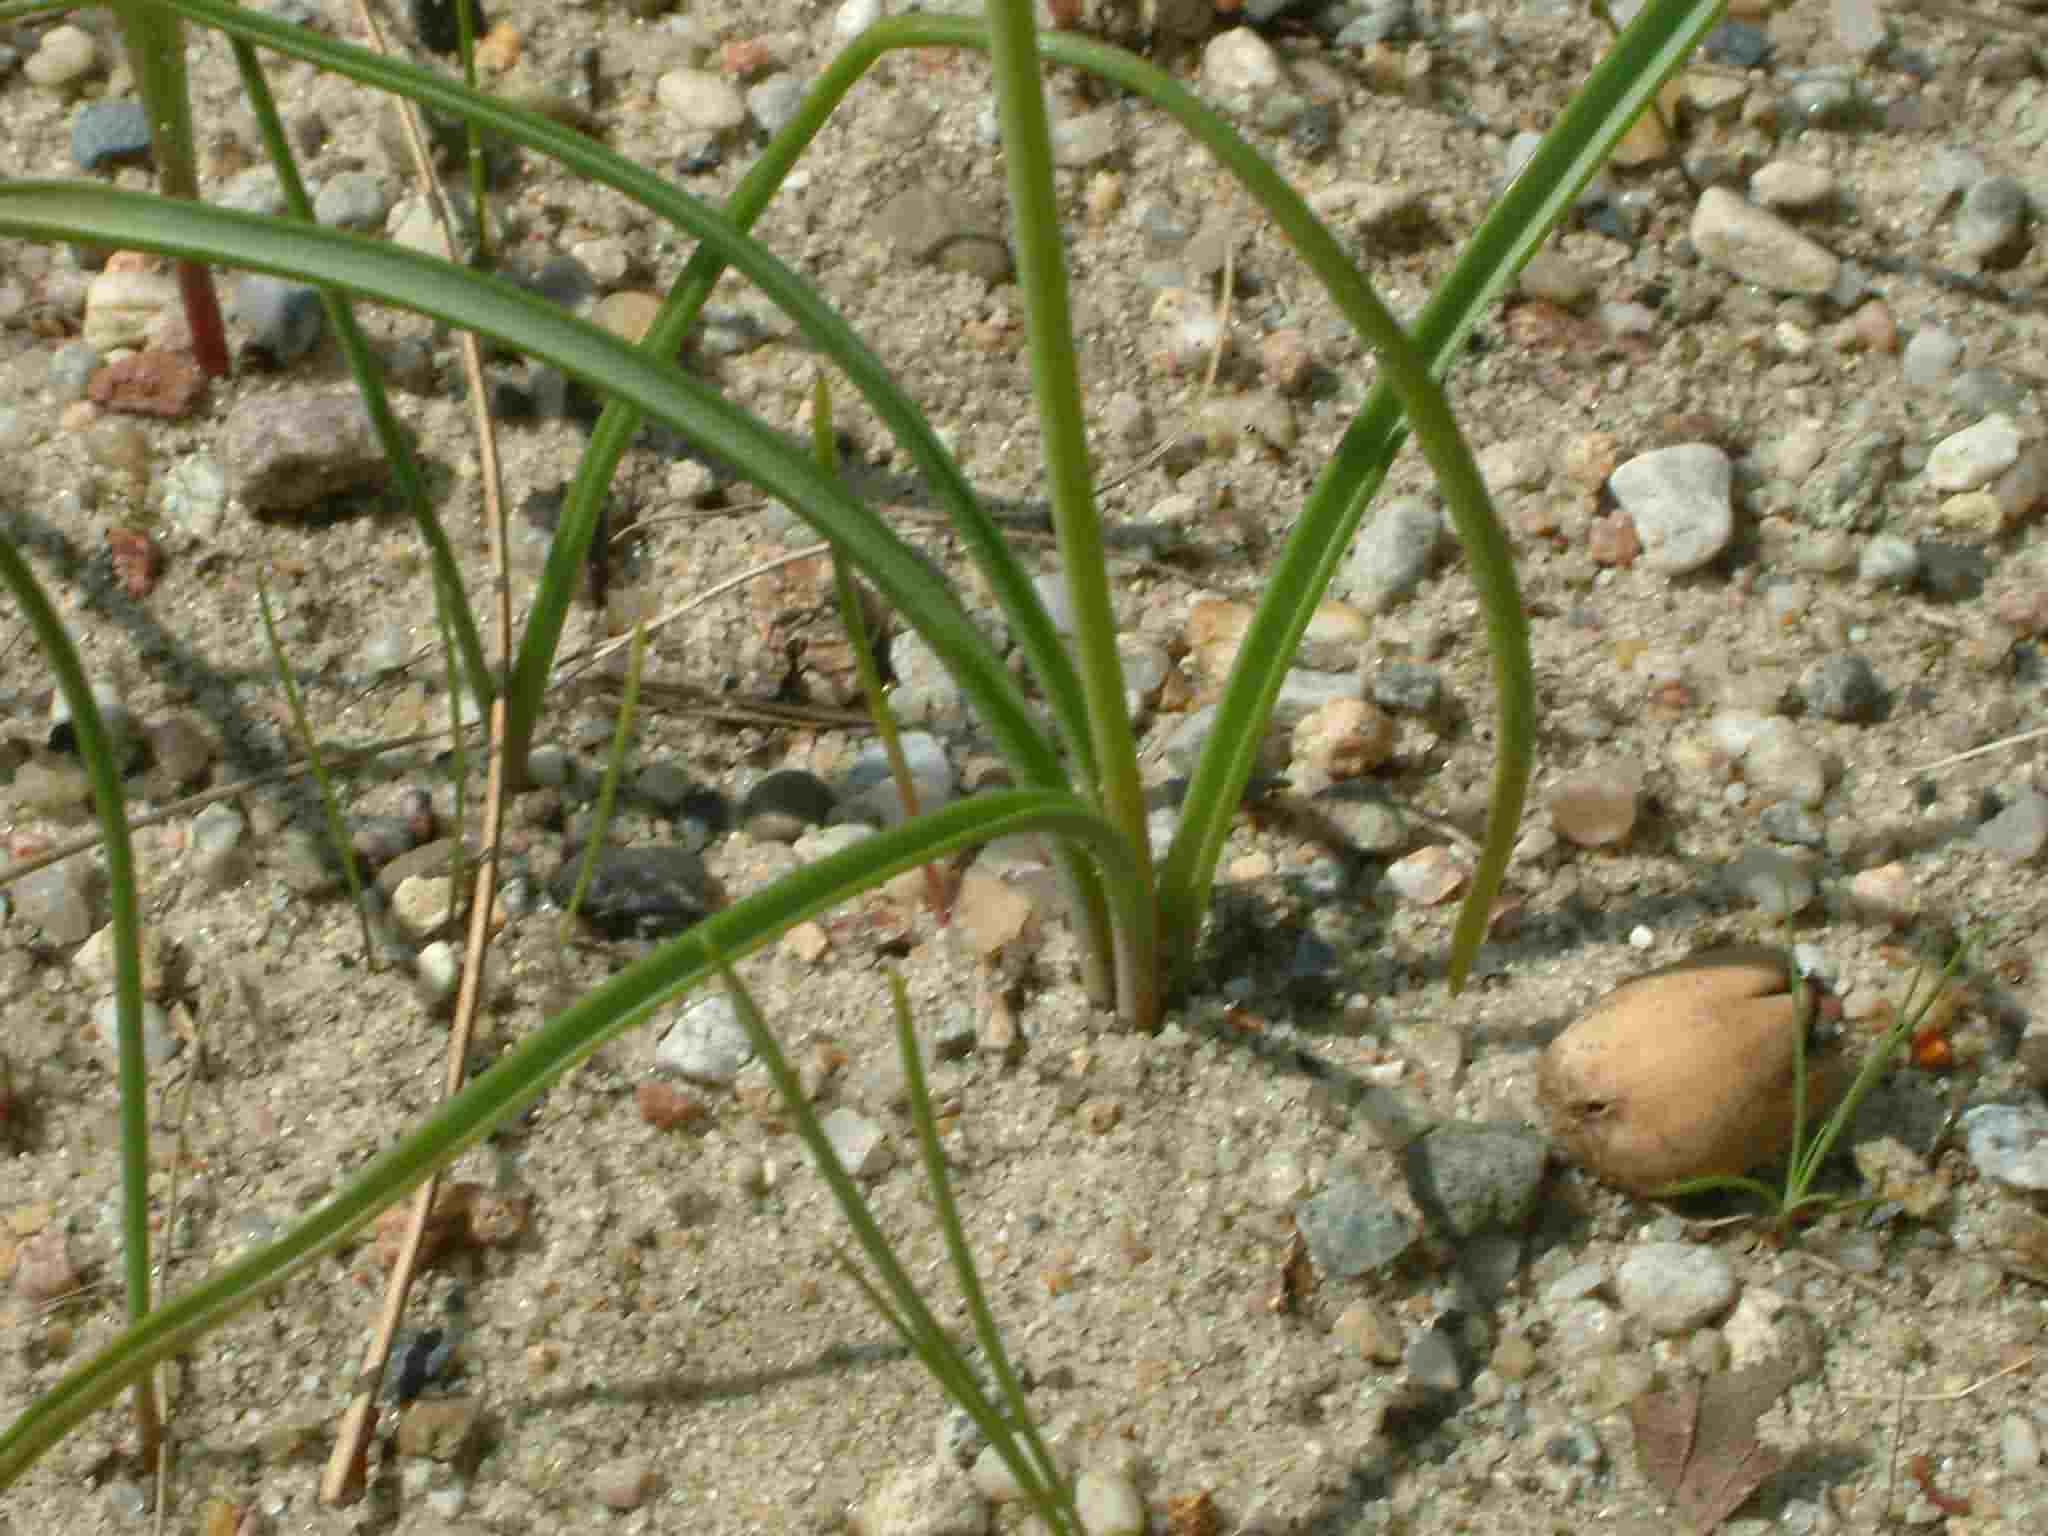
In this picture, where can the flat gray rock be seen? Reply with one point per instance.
(1679, 500)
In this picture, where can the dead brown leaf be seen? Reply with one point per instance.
(1697, 1444)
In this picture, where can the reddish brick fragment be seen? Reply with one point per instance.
(149, 384)
(137, 560)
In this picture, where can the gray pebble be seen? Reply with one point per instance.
(861, 1145)
(1986, 391)
(255, 190)
(1976, 456)
(1847, 688)
(2009, 1143)
(58, 900)
(284, 320)
(1777, 884)
(1991, 224)
(290, 451)
(665, 784)
(1888, 561)
(707, 1043)
(1408, 688)
(2017, 833)
(869, 792)
(1674, 1287)
(109, 133)
(438, 968)
(1930, 358)
(353, 200)
(218, 857)
(1431, 1360)
(1679, 500)
(774, 101)
(160, 1042)
(1477, 1177)
(1588, 1330)
(1350, 1230)
(2019, 1445)
(71, 369)
(1785, 822)
(1393, 553)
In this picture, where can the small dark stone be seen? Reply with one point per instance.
(1846, 688)
(644, 892)
(107, 133)
(1737, 43)
(1476, 1178)
(784, 803)
(285, 320)
(439, 28)
(1315, 131)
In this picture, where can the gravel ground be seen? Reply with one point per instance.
(1758, 661)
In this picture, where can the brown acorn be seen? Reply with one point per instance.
(1688, 1071)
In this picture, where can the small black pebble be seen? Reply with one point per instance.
(438, 27)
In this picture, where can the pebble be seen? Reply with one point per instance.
(94, 959)
(932, 1499)
(1975, 456)
(1428, 876)
(1393, 553)
(166, 384)
(783, 804)
(71, 369)
(642, 892)
(43, 1271)
(160, 1042)
(2017, 833)
(423, 905)
(438, 25)
(109, 133)
(1674, 1287)
(1930, 359)
(869, 793)
(859, 1143)
(1239, 68)
(1886, 892)
(1777, 884)
(1350, 1230)
(1108, 1503)
(1846, 687)
(57, 900)
(1888, 561)
(1679, 500)
(121, 306)
(1784, 822)
(356, 200)
(284, 320)
(1368, 1329)
(2009, 1143)
(218, 856)
(774, 102)
(1343, 739)
(624, 1483)
(938, 226)
(1408, 688)
(289, 451)
(2019, 1445)
(1476, 1178)
(701, 100)
(1757, 246)
(707, 1043)
(1791, 185)
(1992, 221)
(66, 55)
(1596, 807)
(1588, 1330)
(1431, 1360)
(1779, 764)
(438, 969)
